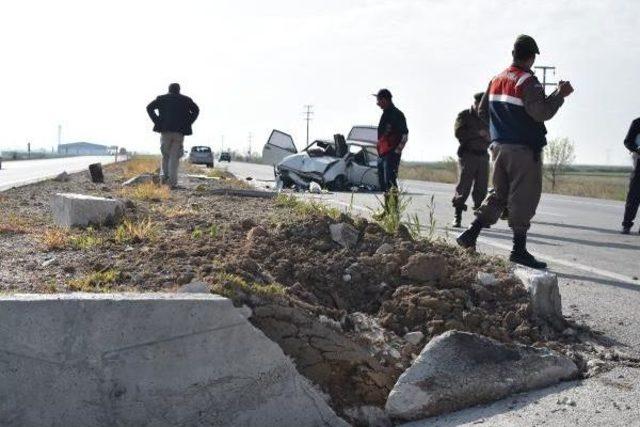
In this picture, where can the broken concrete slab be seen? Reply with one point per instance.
(62, 177)
(146, 359)
(414, 337)
(424, 267)
(460, 369)
(142, 179)
(544, 293)
(344, 234)
(71, 210)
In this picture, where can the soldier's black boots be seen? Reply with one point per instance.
(457, 218)
(468, 238)
(520, 255)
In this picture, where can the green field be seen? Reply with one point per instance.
(603, 182)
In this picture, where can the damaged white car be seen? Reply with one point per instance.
(336, 165)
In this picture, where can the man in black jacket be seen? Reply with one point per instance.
(175, 115)
(632, 142)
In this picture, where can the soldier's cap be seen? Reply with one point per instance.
(478, 96)
(383, 93)
(526, 44)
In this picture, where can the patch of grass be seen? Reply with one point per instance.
(87, 240)
(582, 181)
(147, 191)
(100, 281)
(141, 164)
(219, 173)
(55, 239)
(233, 287)
(392, 209)
(14, 224)
(304, 208)
(136, 231)
(214, 231)
(196, 233)
(61, 238)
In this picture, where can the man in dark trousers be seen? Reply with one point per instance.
(392, 137)
(632, 142)
(175, 115)
(473, 160)
(515, 106)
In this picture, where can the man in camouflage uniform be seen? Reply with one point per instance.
(473, 160)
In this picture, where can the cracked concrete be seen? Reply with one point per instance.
(145, 359)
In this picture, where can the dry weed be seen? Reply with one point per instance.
(56, 238)
(147, 191)
(14, 224)
(139, 165)
(137, 231)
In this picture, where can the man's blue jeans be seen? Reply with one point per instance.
(388, 170)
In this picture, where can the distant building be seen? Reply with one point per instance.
(84, 149)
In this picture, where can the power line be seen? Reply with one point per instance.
(544, 69)
(307, 117)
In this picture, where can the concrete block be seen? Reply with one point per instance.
(460, 369)
(147, 360)
(70, 210)
(544, 294)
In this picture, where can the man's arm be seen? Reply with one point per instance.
(194, 111)
(483, 108)
(151, 111)
(462, 132)
(630, 140)
(540, 107)
(404, 132)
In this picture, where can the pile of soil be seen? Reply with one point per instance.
(341, 313)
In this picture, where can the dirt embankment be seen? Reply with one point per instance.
(341, 314)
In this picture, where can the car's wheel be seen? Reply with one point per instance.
(209, 165)
(338, 184)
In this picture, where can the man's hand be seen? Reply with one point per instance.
(399, 149)
(564, 88)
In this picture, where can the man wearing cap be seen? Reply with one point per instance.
(176, 113)
(515, 106)
(473, 160)
(632, 143)
(392, 137)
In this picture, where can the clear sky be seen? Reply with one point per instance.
(251, 66)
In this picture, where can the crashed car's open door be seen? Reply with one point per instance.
(278, 146)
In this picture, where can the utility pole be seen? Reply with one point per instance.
(222, 143)
(249, 152)
(307, 117)
(28, 150)
(59, 136)
(544, 69)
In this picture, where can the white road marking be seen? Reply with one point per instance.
(565, 263)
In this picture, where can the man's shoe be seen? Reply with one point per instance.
(626, 230)
(469, 237)
(526, 259)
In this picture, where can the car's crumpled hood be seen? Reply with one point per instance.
(304, 164)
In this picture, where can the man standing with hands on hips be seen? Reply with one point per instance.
(515, 106)
(175, 115)
(392, 137)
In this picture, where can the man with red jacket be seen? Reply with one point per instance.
(516, 107)
(392, 137)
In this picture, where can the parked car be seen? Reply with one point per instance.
(201, 155)
(225, 156)
(337, 165)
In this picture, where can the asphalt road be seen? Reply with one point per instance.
(598, 270)
(16, 173)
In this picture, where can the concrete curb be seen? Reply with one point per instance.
(145, 359)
